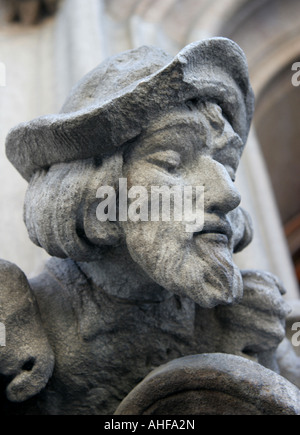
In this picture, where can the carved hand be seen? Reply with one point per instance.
(256, 326)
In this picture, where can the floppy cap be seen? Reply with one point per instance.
(118, 100)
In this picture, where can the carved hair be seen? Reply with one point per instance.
(60, 208)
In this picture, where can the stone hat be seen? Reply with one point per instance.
(117, 101)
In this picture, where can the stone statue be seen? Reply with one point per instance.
(29, 11)
(124, 294)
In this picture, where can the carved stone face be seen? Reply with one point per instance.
(196, 148)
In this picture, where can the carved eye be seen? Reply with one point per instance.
(227, 116)
(168, 160)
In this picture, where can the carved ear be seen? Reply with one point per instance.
(101, 233)
(32, 378)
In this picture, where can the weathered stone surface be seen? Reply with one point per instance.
(27, 361)
(214, 384)
(125, 296)
(253, 328)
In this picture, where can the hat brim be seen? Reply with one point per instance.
(214, 69)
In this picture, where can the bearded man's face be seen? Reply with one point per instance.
(189, 149)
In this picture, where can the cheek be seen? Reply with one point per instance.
(141, 243)
(147, 241)
(137, 174)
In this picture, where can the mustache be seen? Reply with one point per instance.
(216, 225)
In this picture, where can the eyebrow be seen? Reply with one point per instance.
(164, 154)
(167, 139)
(231, 159)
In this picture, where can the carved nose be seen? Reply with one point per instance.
(221, 195)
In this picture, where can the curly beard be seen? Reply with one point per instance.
(201, 269)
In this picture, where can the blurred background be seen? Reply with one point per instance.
(46, 46)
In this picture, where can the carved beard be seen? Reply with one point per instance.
(203, 270)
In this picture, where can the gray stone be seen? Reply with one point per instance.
(212, 384)
(288, 353)
(129, 90)
(27, 359)
(29, 11)
(123, 297)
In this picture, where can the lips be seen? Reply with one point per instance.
(218, 231)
